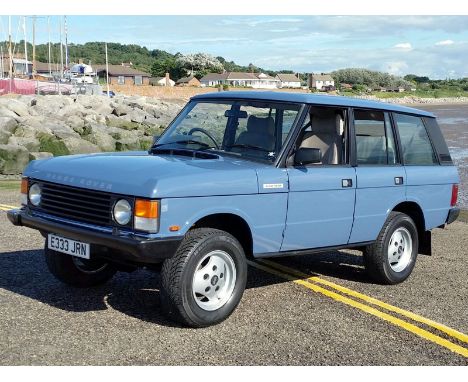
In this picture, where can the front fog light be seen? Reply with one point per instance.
(35, 194)
(122, 212)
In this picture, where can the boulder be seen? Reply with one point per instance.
(125, 144)
(39, 155)
(8, 124)
(13, 159)
(32, 144)
(101, 139)
(4, 137)
(19, 108)
(121, 109)
(122, 123)
(4, 112)
(50, 143)
(80, 146)
(76, 123)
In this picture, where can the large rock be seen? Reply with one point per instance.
(80, 146)
(13, 159)
(19, 108)
(40, 155)
(4, 136)
(121, 109)
(50, 143)
(8, 124)
(32, 144)
(4, 112)
(101, 138)
(126, 144)
(122, 123)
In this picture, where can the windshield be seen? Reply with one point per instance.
(251, 129)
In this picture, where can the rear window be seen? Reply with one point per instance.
(416, 146)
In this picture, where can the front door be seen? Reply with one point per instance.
(321, 195)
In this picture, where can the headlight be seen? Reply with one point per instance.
(35, 194)
(122, 212)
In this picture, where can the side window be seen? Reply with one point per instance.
(375, 143)
(416, 146)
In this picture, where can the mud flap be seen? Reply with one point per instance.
(425, 243)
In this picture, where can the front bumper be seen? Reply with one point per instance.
(115, 245)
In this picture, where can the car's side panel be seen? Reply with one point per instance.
(431, 188)
(376, 195)
(264, 213)
(320, 209)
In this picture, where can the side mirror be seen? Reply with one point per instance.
(307, 155)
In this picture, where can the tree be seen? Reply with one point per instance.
(199, 62)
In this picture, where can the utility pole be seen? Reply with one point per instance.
(26, 71)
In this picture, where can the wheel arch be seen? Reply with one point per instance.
(234, 224)
(415, 212)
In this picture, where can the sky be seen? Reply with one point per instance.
(436, 46)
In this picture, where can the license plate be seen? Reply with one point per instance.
(68, 246)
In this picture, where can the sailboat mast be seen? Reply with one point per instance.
(48, 30)
(10, 59)
(26, 72)
(61, 51)
(66, 42)
(34, 46)
(107, 72)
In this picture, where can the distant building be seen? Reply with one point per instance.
(123, 75)
(288, 80)
(162, 81)
(241, 79)
(319, 81)
(188, 81)
(396, 89)
(346, 86)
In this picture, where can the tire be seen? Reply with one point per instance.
(206, 259)
(78, 272)
(391, 258)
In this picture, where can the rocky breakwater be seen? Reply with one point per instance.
(34, 127)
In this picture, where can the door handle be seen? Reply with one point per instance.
(345, 183)
(398, 180)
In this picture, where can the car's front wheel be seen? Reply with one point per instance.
(205, 280)
(78, 272)
(391, 258)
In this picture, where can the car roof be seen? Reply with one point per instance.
(315, 99)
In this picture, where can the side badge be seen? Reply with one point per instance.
(273, 185)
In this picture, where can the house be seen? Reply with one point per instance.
(318, 81)
(288, 80)
(241, 79)
(123, 75)
(396, 89)
(345, 86)
(161, 81)
(379, 89)
(188, 81)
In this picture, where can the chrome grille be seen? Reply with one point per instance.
(75, 203)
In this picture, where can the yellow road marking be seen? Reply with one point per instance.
(371, 300)
(368, 309)
(7, 206)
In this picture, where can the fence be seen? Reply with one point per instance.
(26, 87)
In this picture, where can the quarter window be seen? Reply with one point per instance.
(375, 144)
(417, 148)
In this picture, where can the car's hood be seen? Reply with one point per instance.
(154, 176)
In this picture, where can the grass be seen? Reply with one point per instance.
(9, 185)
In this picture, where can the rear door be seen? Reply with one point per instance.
(380, 176)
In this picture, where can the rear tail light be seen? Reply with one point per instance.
(24, 191)
(454, 199)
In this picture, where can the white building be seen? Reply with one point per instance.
(288, 80)
(320, 81)
(240, 79)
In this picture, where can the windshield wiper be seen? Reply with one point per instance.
(247, 146)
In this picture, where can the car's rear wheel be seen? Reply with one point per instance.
(391, 258)
(78, 272)
(205, 280)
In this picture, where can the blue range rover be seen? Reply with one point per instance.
(246, 174)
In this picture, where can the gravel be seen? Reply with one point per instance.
(43, 322)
